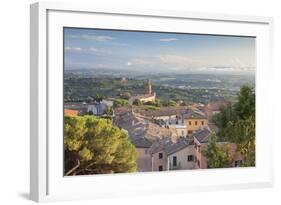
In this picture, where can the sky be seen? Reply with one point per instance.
(158, 52)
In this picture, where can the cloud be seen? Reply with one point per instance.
(93, 49)
(77, 49)
(164, 61)
(183, 63)
(69, 65)
(168, 39)
(119, 44)
(99, 38)
(177, 60)
(82, 50)
(145, 61)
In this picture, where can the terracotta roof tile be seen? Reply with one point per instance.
(71, 113)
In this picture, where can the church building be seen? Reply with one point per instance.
(149, 96)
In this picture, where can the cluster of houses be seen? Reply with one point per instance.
(168, 138)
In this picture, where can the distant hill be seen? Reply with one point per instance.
(80, 85)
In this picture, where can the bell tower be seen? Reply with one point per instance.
(148, 87)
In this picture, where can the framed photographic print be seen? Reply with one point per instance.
(127, 102)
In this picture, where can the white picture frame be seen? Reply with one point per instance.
(47, 182)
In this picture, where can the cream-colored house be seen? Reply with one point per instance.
(159, 161)
(180, 156)
(158, 154)
(144, 162)
(168, 155)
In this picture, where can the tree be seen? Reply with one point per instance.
(90, 112)
(125, 95)
(226, 114)
(168, 103)
(243, 134)
(245, 107)
(95, 146)
(151, 107)
(120, 102)
(155, 103)
(98, 98)
(236, 124)
(137, 102)
(218, 156)
(108, 111)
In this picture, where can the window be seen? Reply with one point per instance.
(160, 155)
(189, 131)
(202, 122)
(190, 158)
(189, 122)
(160, 168)
(238, 163)
(195, 122)
(174, 161)
(182, 132)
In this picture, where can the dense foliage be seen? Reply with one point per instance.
(168, 103)
(120, 102)
(95, 146)
(237, 124)
(156, 103)
(137, 102)
(217, 155)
